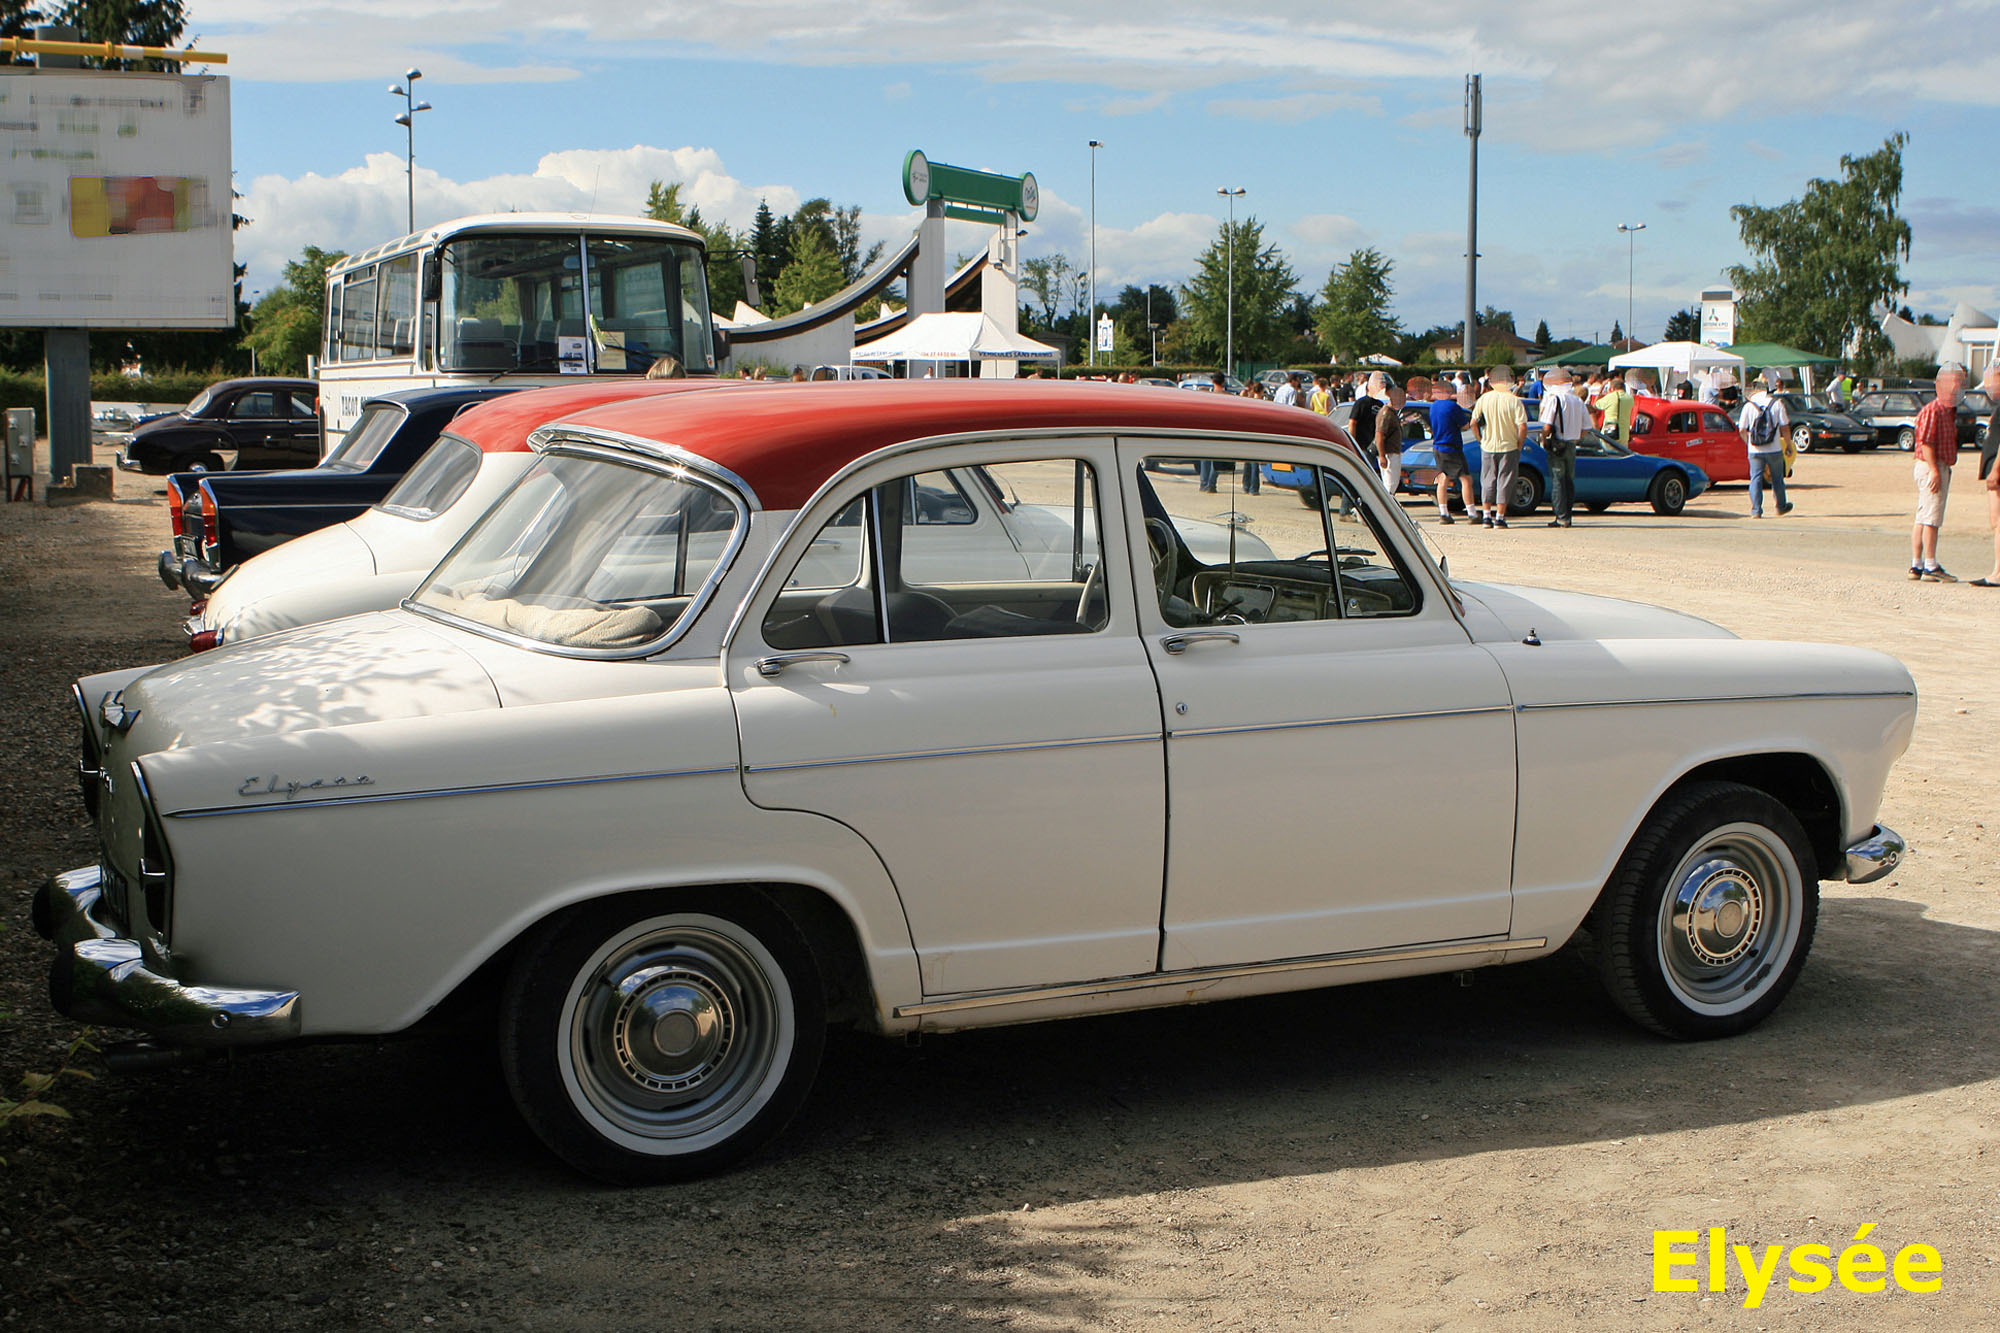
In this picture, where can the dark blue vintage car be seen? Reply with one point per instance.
(221, 519)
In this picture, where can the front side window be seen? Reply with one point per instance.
(589, 553)
(1229, 555)
(988, 551)
(396, 318)
(436, 482)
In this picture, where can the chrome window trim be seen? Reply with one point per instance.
(557, 435)
(617, 457)
(433, 793)
(1054, 437)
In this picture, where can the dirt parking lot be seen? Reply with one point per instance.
(1414, 1155)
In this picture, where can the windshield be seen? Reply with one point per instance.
(375, 427)
(590, 555)
(1806, 402)
(200, 403)
(573, 305)
(436, 482)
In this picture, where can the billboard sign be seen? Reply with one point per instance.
(1718, 317)
(115, 201)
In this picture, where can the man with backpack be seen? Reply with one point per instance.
(1764, 424)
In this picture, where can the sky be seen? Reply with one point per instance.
(1343, 122)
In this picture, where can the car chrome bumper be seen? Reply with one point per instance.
(1874, 856)
(100, 977)
(196, 577)
(125, 462)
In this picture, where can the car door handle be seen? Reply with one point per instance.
(1180, 643)
(777, 662)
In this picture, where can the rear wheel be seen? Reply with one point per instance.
(1526, 493)
(1906, 439)
(208, 463)
(1802, 439)
(1710, 915)
(664, 1035)
(1669, 491)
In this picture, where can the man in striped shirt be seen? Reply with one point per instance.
(1937, 450)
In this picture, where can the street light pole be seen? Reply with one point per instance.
(1229, 283)
(1474, 121)
(407, 118)
(1091, 323)
(1631, 230)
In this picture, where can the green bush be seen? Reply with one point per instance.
(23, 388)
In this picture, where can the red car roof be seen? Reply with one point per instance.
(503, 425)
(785, 441)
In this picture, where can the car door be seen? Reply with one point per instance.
(993, 732)
(1340, 754)
(1723, 454)
(252, 420)
(296, 434)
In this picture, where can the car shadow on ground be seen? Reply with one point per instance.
(352, 1166)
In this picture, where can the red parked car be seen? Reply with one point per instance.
(1692, 432)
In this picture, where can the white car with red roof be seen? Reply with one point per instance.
(696, 744)
(373, 560)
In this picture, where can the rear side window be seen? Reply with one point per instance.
(436, 482)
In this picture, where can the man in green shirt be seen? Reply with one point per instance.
(1499, 421)
(1616, 405)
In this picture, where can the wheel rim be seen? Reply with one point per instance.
(675, 1036)
(1730, 918)
(1522, 499)
(1802, 439)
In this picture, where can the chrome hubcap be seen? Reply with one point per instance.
(676, 1030)
(1730, 917)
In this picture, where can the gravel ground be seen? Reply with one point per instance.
(1409, 1155)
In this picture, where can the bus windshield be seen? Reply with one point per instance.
(570, 304)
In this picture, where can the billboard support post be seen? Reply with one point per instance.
(65, 352)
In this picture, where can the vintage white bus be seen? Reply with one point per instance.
(521, 298)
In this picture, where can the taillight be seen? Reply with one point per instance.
(208, 528)
(204, 639)
(174, 504)
(197, 606)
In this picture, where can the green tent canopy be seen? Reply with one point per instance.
(1768, 355)
(1581, 356)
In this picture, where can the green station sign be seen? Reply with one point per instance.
(984, 195)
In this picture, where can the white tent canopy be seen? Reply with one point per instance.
(954, 337)
(1684, 357)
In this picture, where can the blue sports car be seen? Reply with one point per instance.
(1607, 473)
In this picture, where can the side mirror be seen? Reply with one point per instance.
(721, 348)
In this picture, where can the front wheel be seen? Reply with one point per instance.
(1906, 439)
(662, 1036)
(1709, 916)
(1669, 492)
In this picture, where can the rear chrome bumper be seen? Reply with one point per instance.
(196, 577)
(1874, 856)
(101, 977)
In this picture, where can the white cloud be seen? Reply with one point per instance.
(367, 205)
(1648, 81)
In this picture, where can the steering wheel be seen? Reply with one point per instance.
(1092, 582)
(1160, 537)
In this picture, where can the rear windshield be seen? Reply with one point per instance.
(364, 440)
(436, 482)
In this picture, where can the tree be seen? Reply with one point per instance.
(286, 324)
(1354, 319)
(1826, 262)
(1265, 287)
(812, 275)
(1491, 318)
(1542, 338)
(1128, 312)
(1047, 279)
(134, 22)
(1683, 326)
(724, 245)
(767, 245)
